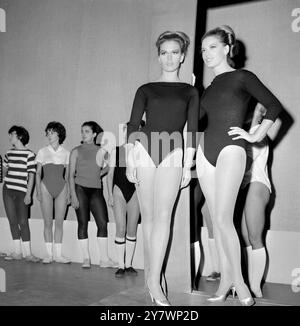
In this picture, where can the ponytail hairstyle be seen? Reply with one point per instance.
(227, 36)
(177, 36)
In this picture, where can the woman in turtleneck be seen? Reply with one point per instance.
(87, 165)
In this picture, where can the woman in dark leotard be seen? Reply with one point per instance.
(123, 198)
(87, 165)
(52, 189)
(222, 166)
(155, 154)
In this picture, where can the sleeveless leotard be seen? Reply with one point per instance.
(53, 168)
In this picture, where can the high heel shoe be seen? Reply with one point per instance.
(158, 302)
(222, 297)
(247, 302)
(163, 302)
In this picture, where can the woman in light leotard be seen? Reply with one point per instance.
(256, 187)
(52, 189)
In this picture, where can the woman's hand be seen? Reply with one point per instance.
(39, 196)
(74, 202)
(27, 199)
(131, 174)
(241, 134)
(111, 200)
(68, 197)
(186, 177)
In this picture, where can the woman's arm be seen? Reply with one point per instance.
(137, 112)
(263, 95)
(72, 170)
(192, 137)
(38, 181)
(110, 177)
(30, 183)
(67, 183)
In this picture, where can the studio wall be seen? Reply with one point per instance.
(79, 60)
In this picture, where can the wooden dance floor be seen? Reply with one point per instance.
(30, 284)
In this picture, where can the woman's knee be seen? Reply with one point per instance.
(256, 240)
(120, 231)
(102, 232)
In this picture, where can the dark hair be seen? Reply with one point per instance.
(59, 128)
(227, 36)
(21, 132)
(95, 128)
(180, 37)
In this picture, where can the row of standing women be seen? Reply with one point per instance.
(64, 178)
(158, 165)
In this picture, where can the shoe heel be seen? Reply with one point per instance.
(233, 291)
(151, 296)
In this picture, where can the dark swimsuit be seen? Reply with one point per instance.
(226, 102)
(168, 106)
(127, 188)
(53, 178)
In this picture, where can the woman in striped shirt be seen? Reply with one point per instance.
(19, 170)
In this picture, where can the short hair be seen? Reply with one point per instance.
(21, 133)
(59, 128)
(180, 37)
(95, 128)
(227, 36)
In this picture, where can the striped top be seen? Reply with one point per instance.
(19, 162)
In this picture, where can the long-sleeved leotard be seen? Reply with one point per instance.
(226, 102)
(168, 106)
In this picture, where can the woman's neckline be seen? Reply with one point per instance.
(226, 72)
(169, 83)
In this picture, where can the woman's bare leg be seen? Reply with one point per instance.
(230, 170)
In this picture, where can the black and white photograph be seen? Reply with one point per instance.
(149, 156)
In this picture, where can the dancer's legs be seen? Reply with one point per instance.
(133, 213)
(256, 202)
(47, 211)
(146, 170)
(230, 170)
(206, 174)
(164, 199)
(60, 204)
(119, 209)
